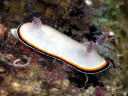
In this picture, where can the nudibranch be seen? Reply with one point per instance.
(49, 41)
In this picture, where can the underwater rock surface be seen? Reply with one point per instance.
(45, 76)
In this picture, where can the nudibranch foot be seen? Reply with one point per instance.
(111, 61)
(36, 22)
(102, 39)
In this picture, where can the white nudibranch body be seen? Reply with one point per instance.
(48, 40)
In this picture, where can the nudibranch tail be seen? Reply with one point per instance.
(103, 38)
(36, 22)
(14, 32)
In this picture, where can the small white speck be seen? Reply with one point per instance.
(88, 2)
(111, 33)
(1, 91)
(15, 84)
(125, 94)
(21, 65)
